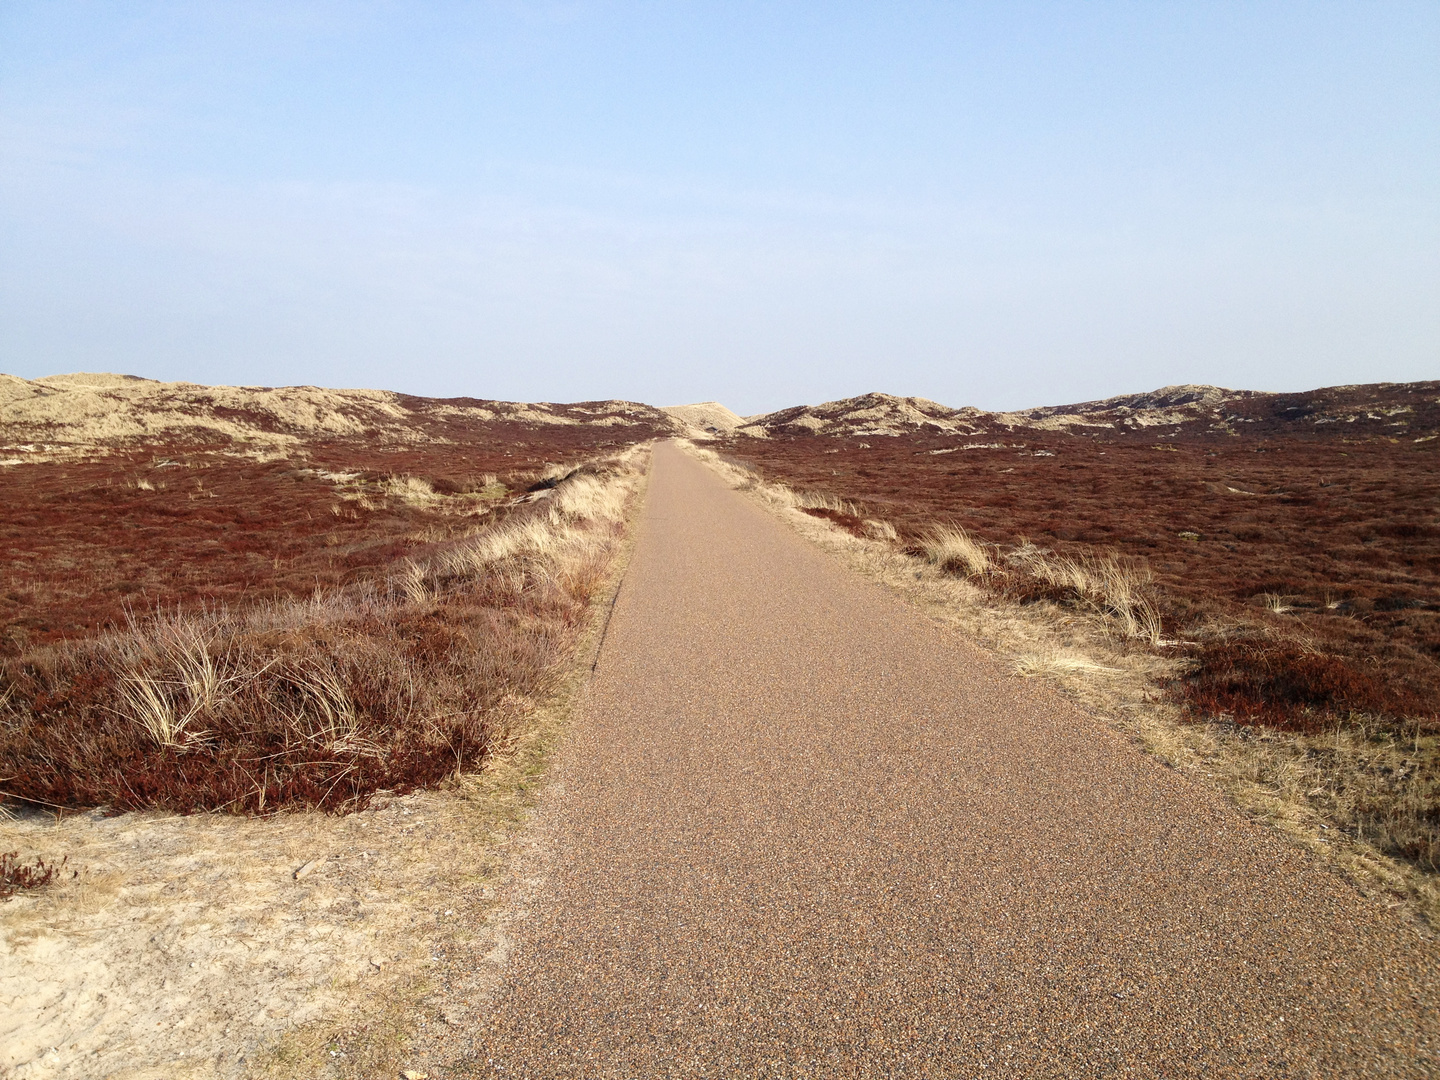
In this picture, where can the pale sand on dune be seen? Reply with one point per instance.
(64, 416)
(706, 417)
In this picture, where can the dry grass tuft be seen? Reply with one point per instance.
(951, 548)
(819, 500)
(880, 530)
(1276, 604)
(410, 489)
(1119, 591)
(1061, 665)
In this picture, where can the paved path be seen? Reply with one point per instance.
(805, 832)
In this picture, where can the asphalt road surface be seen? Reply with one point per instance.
(803, 831)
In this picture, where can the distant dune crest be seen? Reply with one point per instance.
(709, 418)
(868, 414)
(1393, 409)
(86, 412)
(60, 415)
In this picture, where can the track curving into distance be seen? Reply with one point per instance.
(801, 830)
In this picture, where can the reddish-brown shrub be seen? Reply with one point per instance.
(83, 541)
(1284, 685)
(389, 684)
(16, 875)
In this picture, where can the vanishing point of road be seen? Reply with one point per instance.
(802, 831)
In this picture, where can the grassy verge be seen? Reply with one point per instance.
(1361, 791)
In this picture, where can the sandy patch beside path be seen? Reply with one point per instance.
(187, 947)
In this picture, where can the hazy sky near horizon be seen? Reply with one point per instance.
(998, 204)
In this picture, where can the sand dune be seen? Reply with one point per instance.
(1394, 407)
(707, 418)
(61, 415)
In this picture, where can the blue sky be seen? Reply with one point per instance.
(998, 204)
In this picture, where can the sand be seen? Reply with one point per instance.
(187, 947)
(63, 416)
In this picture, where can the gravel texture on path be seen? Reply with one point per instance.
(800, 830)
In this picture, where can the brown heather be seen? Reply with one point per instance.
(1301, 574)
(392, 682)
(17, 874)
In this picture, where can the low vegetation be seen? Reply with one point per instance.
(1315, 554)
(17, 874)
(951, 548)
(166, 525)
(391, 682)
